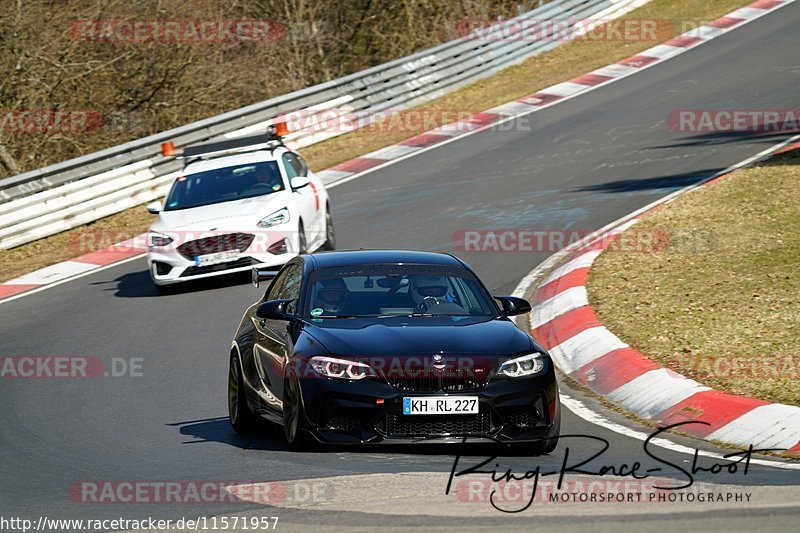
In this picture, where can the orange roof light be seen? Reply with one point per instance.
(281, 129)
(168, 149)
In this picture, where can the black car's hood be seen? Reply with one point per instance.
(420, 336)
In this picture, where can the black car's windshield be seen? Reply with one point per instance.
(396, 290)
(224, 185)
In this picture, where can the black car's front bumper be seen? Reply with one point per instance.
(370, 411)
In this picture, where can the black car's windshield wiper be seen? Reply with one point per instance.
(399, 315)
(345, 316)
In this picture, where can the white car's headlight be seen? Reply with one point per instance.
(527, 365)
(339, 368)
(281, 216)
(159, 240)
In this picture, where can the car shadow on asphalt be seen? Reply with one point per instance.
(139, 285)
(727, 137)
(670, 182)
(269, 437)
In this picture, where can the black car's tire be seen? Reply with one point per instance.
(540, 447)
(549, 445)
(241, 418)
(546, 446)
(330, 232)
(293, 415)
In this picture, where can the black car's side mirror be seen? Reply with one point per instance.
(512, 305)
(274, 310)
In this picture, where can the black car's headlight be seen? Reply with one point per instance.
(340, 368)
(526, 365)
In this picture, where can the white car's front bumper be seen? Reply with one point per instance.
(173, 264)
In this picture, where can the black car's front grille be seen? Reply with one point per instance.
(342, 423)
(437, 425)
(239, 263)
(216, 243)
(525, 419)
(434, 380)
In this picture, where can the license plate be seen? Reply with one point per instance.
(217, 258)
(439, 405)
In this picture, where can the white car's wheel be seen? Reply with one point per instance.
(330, 234)
(302, 244)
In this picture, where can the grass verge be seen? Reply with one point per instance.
(720, 303)
(544, 70)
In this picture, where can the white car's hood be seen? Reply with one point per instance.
(235, 215)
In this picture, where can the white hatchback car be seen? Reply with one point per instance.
(235, 206)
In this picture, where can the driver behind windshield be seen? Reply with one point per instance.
(331, 296)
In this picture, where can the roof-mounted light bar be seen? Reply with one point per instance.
(273, 138)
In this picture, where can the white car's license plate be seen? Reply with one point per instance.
(439, 405)
(217, 258)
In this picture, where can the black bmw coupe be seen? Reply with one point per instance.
(384, 346)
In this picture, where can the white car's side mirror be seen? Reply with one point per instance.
(155, 207)
(298, 182)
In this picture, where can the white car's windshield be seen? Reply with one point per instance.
(224, 185)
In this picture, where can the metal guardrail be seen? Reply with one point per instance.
(72, 193)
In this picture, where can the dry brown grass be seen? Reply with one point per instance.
(722, 303)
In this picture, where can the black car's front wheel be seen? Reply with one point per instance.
(293, 414)
(241, 418)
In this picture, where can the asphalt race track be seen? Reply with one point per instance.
(577, 165)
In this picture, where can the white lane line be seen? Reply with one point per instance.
(52, 273)
(67, 280)
(595, 418)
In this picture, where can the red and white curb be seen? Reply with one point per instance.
(417, 144)
(563, 321)
(79, 266)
